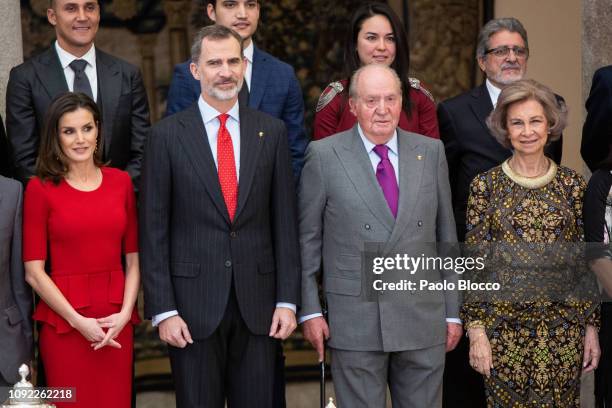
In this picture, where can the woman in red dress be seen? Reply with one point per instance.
(376, 36)
(81, 216)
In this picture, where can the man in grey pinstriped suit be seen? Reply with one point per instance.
(221, 276)
(397, 339)
(15, 293)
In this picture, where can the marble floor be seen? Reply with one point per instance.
(306, 395)
(299, 395)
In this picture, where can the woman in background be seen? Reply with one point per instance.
(598, 229)
(81, 216)
(376, 36)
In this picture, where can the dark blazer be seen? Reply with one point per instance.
(6, 168)
(190, 251)
(121, 98)
(274, 90)
(470, 147)
(15, 293)
(597, 130)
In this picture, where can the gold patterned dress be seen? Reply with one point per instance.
(536, 324)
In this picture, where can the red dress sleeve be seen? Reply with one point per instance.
(426, 112)
(328, 114)
(130, 238)
(35, 221)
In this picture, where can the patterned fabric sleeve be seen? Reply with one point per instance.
(590, 310)
(477, 224)
(475, 313)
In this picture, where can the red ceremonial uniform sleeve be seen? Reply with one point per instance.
(326, 120)
(35, 221)
(426, 112)
(130, 238)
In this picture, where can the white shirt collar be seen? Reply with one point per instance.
(248, 52)
(493, 92)
(209, 113)
(369, 146)
(66, 58)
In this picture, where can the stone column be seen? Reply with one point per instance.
(596, 39)
(147, 50)
(12, 45)
(177, 13)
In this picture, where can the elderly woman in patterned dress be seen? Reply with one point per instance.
(532, 350)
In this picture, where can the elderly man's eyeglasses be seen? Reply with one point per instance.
(504, 51)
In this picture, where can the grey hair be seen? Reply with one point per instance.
(214, 32)
(493, 26)
(357, 74)
(523, 90)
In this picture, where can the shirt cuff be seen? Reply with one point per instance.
(158, 318)
(287, 305)
(308, 317)
(453, 320)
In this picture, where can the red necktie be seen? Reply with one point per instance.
(226, 165)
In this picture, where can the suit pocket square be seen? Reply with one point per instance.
(185, 269)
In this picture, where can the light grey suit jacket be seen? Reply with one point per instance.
(341, 207)
(15, 294)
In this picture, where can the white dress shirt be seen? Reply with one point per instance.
(375, 159)
(90, 69)
(210, 117)
(493, 92)
(248, 54)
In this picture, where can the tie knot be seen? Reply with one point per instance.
(223, 118)
(382, 151)
(78, 65)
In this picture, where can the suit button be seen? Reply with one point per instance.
(367, 226)
(233, 234)
(228, 263)
(420, 223)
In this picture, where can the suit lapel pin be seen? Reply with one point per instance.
(261, 134)
(419, 157)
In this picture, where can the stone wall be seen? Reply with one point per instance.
(10, 38)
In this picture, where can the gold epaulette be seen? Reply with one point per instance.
(328, 94)
(416, 84)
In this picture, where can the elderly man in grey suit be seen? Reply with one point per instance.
(15, 294)
(376, 183)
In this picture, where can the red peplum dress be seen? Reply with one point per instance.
(83, 235)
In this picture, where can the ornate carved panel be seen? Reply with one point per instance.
(443, 41)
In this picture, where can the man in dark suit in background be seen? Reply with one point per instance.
(270, 84)
(597, 130)
(72, 63)
(15, 294)
(220, 259)
(502, 51)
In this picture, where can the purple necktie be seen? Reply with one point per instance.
(386, 177)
